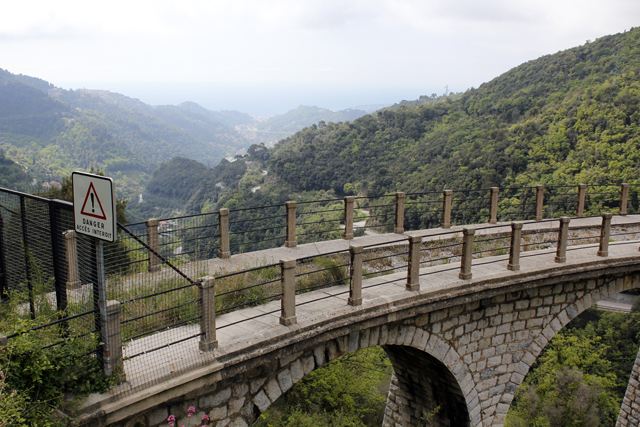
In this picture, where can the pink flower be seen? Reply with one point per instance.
(171, 418)
(192, 409)
(205, 417)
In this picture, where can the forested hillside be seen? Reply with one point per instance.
(51, 132)
(567, 118)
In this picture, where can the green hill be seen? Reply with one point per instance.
(52, 132)
(563, 119)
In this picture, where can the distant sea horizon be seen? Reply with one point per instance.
(262, 100)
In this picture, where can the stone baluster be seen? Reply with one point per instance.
(624, 198)
(493, 210)
(113, 363)
(413, 267)
(446, 208)
(539, 202)
(291, 225)
(153, 242)
(582, 195)
(348, 218)
(563, 236)
(514, 250)
(355, 282)
(71, 249)
(288, 301)
(207, 292)
(467, 253)
(224, 251)
(399, 228)
(605, 232)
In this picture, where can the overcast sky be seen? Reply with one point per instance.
(267, 56)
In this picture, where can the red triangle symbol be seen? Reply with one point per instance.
(95, 207)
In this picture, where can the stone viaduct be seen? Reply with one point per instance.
(461, 344)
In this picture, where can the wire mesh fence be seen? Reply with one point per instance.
(43, 297)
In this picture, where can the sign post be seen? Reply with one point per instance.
(94, 213)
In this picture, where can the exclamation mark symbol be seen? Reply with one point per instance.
(92, 207)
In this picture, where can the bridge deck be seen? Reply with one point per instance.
(246, 329)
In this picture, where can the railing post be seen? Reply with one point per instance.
(467, 253)
(563, 235)
(152, 241)
(4, 288)
(223, 227)
(446, 209)
(348, 218)
(493, 211)
(288, 310)
(413, 267)
(207, 292)
(291, 225)
(514, 250)
(605, 232)
(71, 249)
(355, 282)
(113, 355)
(399, 228)
(624, 197)
(539, 202)
(56, 252)
(582, 193)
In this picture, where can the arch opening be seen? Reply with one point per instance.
(423, 390)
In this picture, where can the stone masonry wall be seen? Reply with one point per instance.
(481, 349)
(630, 410)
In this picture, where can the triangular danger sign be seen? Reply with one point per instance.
(92, 206)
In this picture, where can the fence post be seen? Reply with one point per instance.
(605, 232)
(355, 282)
(493, 212)
(27, 255)
(152, 241)
(4, 288)
(113, 363)
(71, 251)
(539, 202)
(291, 225)
(413, 267)
(3, 341)
(399, 228)
(56, 250)
(514, 250)
(288, 308)
(467, 253)
(223, 227)
(446, 209)
(582, 193)
(563, 235)
(207, 314)
(624, 197)
(348, 218)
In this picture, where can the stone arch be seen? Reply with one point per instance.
(572, 298)
(438, 361)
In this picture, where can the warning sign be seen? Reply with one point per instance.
(94, 206)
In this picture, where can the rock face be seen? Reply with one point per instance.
(454, 365)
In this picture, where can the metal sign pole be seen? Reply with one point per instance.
(102, 302)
